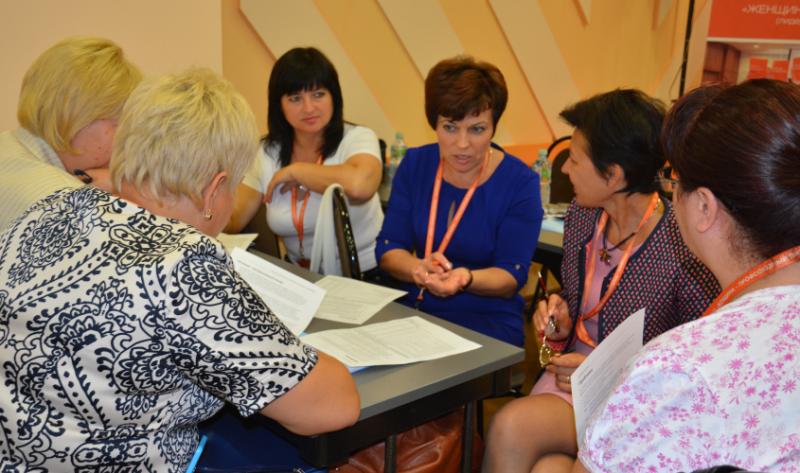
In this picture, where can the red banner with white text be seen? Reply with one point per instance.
(755, 19)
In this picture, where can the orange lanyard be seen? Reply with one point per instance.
(758, 272)
(580, 328)
(451, 229)
(297, 220)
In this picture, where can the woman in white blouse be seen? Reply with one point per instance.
(308, 148)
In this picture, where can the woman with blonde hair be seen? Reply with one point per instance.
(69, 103)
(124, 323)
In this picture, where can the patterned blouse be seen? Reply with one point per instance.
(662, 276)
(721, 390)
(119, 332)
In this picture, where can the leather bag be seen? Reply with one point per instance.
(433, 447)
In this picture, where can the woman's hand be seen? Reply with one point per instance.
(562, 366)
(449, 283)
(285, 178)
(436, 275)
(434, 265)
(557, 307)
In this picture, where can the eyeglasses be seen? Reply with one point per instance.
(667, 180)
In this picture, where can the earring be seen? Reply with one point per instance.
(207, 214)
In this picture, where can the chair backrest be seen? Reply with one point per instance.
(266, 241)
(561, 190)
(345, 240)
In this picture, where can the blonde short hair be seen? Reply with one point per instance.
(178, 131)
(72, 84)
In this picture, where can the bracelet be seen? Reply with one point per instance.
(469, 282)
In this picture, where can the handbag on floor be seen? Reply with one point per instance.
(433, 447)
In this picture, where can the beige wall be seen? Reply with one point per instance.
(157, 35)
(551, 51)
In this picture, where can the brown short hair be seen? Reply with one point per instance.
(462, 86)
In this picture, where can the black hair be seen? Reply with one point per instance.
(622, 127)
(302, 69)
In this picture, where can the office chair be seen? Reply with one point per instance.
(345, 240)
(561, 190)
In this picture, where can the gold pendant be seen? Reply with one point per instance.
(545, 353)
(604, 256)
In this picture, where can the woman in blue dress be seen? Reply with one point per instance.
(464, 216)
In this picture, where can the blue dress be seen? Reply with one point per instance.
(500, 228)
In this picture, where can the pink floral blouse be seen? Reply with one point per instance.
(720, 390)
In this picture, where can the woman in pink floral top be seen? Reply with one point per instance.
(724, 389)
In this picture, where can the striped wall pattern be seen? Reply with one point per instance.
(552, 52)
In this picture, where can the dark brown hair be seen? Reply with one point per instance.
(743, 144)
(462, 86)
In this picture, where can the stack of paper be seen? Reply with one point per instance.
(351, 301)
(293, 299)
(396, 342)
(597, 376)
(239, 240)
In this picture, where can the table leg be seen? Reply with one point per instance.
(469, 423)
(390, 454)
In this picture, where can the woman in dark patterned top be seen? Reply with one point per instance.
(622, 252)
(123, 322)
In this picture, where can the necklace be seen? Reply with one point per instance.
(605, 257)
(580, 328)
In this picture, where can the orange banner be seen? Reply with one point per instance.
(757, 19)
(779, 70)
(758, 68)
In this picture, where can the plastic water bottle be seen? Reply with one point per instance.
(396, 153)
(542, 168)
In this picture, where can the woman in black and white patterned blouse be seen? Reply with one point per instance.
(123, 322)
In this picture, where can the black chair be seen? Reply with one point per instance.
(345, 240)
(382, 145)
(561, 190)
(266, 241)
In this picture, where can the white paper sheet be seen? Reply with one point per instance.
(238, 240)
(293, 299)
(351, 301)
(396, 342)
(598, 375)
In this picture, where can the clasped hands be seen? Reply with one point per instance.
(436, 274)
(561, 365)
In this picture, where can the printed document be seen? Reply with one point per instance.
(239, 240)
(351, 301)
(293, 299)
(598, 375)
(396, 342)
